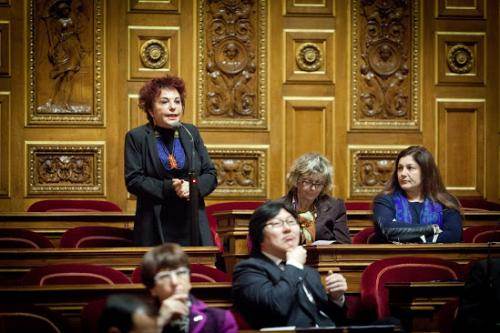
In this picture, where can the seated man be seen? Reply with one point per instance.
(165, 272)
(127, 313)
(273, 287)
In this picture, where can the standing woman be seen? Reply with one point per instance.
(158, 156)
(415, 206)
(321, 217)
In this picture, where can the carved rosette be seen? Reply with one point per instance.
(154, 54)
(371, 168)
(232, 48)
(309, 57)
(385, 55)
(241, 171)
(61, 168)
(460, 59)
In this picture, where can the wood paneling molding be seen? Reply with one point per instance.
(309, 7)
(460, 9)
(5, 50)
(5, 137)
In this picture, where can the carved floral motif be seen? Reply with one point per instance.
(64, 169)
(154, 54)
(231, 61)
(384, 46)
(460, 59)
(309, 57)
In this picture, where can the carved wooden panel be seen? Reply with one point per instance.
(461, 8)
(241, 170)
(309, 127)
(4, 48)
(461, 57)
(155, 5)
(153, 52)
(65, 168)
(66, 62)
(385, 64)
(310, 55)
(310, 7)
(232, 76)
(370, 168)
(460, 144)
(5, 135)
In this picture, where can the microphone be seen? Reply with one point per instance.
(193, 189)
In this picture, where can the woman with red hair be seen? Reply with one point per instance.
(158, 158)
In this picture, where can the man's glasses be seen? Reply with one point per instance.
(309, 183)
(165, 276)
(278, 223)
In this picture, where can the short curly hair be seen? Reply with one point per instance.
(167, 256)
(152, 89)
(307, 164)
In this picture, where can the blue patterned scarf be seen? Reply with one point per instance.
(431, 213)
(178, 152)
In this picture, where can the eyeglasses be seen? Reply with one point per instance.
(165, 276)
(309, 183)
(277, 223)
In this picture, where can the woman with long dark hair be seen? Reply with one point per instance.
(415, 205)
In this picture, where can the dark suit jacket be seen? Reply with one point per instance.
(149, 181)
(479, 309)
(331, 222)
(268, 297)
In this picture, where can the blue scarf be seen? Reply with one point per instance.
(178, 152)
(431, 212)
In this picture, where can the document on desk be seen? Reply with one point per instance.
(323, 242)
(279, 328)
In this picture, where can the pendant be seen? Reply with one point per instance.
(172, 161)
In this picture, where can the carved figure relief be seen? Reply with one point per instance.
(460, 59)
(64, 23)
(236, 173)
(375, 172)
(64, 169)
(309, 57)
(383, 58)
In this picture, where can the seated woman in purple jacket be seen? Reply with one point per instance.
(415, 206)
(321, 217)
(165, 272)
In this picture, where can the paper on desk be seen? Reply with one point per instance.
(323, 242)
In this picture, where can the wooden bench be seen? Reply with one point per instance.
(14, 263)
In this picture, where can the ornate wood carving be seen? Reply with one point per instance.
(241, 171)
(65, 62)
(154, 54)
(65, 168)
(309, 57)
(385, 63)
(371, 168)
(232, 76)
(460, 59)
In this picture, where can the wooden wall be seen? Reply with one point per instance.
(267, 81)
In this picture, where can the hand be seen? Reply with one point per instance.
(336, 285)
(181, 188)
(297, 254)
(437, 229)
(172, 308)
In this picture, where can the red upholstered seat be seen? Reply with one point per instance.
(12, 238)
(365, 236)
(358, 205)
(199, 273)
(90, 315)
(30, 318)
(73, 274)
(63, 205)
(481, 234)
(225, 206)
(374, 296)
(97, 236)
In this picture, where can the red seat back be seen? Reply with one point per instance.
(11, 238)
(481, 234)
(225, 206)
(97, 236)
(30, 318)
(73, 274)
(374, 295)
(63, 205)
(199, 273)
(365, 236)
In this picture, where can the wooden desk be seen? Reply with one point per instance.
(14, 263)
(54, 224)
(68, 300)
(417, 304)
(351, 260)
(232, 227)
